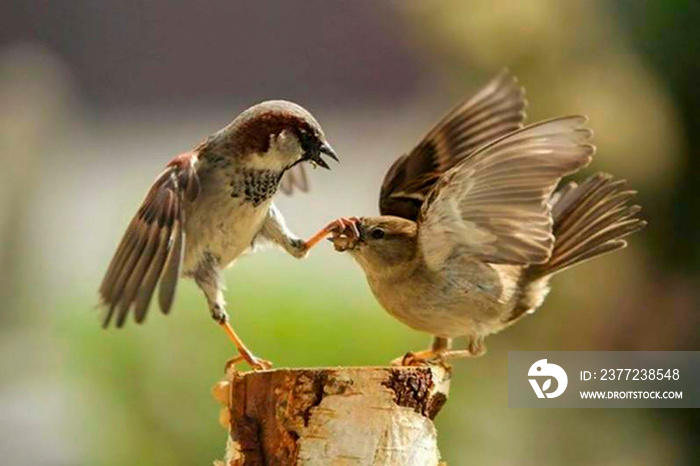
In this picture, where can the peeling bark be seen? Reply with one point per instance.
(360, 416)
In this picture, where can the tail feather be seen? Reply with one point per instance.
(590, 219)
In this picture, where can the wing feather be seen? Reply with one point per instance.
(151, 249)
(497, 109)
(145, 292)
(168, 283)
(494, 205)
(294, 178)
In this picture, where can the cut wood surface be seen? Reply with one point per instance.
(333, 416)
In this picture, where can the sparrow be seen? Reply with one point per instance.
(471, 228)
(211, 205)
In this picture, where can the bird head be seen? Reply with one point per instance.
(274, 135)
(378, 242)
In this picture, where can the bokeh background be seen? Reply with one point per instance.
(96, 96)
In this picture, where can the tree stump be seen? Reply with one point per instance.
(333, 416)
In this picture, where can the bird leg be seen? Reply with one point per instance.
(275, 230)
(337, 226)
(208, 279)
(439, 352)
(220, 316)
(419, 358)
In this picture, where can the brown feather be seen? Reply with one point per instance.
(168, 283)
(145, 293)
(497, 109)
(589, 220)
(151, 250)
(160, 227)
(493, 205)
(136, 275)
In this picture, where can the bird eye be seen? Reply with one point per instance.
(305, 139)
(377, 233)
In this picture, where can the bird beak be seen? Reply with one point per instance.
(328, 150)
(325, 148)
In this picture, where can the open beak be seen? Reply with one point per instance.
(325, 148)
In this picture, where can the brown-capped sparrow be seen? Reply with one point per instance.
(211, 205)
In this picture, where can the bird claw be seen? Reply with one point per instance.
(346, 233)
(344, 226)
(257, 364)
(424, 358)
(337, 227)
(418, 359)
(405, 360)
(430, 357)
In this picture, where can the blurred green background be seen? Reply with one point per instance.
(95, 97)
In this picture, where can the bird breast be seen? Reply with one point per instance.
(230, 210)
(464, 298)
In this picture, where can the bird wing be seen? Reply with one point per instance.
(151, 250)
(494, 205)
(294, 178)
(497, 109)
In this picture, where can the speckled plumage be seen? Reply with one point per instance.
(210, 206)
(254, 186)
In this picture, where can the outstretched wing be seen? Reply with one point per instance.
(150, 252)
(494, 205)
(497, 109)
(294, 178)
